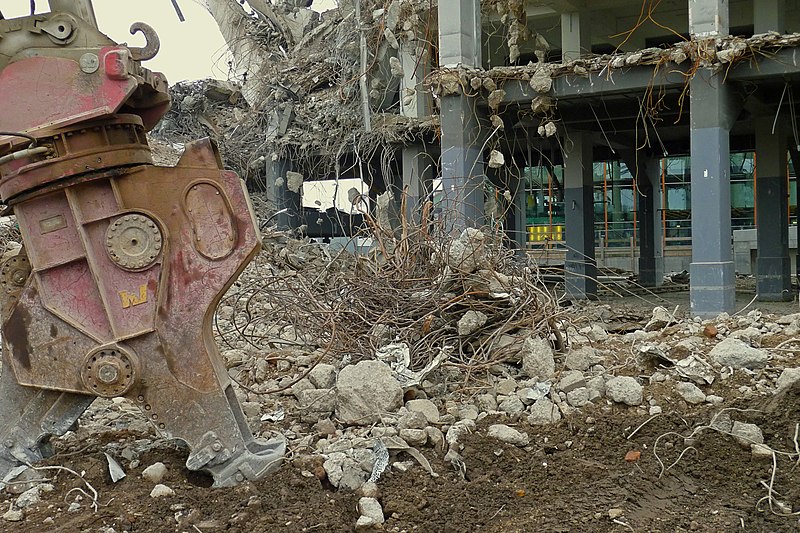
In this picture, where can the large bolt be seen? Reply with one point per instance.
(108, 373)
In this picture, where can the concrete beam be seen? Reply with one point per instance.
(414, 99)
(785, 63)
(462, 162)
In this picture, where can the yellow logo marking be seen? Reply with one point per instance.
(129, 299)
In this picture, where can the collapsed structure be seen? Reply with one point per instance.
(618, 122)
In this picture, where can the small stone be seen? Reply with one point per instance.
(624, 389)
(655, 410)
(509, 435)
(714, 399)
(471, 322)
(74, 507)
(13, 515)
(323, 376)
(690, 392)
(544, 412)
(760, 451)
(582, 359)
(633, 456)
(571, 380)
(435, 437)
(161, 491)
(747, 434)
(506, 386)
(28, 498)
(365, 392)
(511, 405)
(661, 318)
(412, 420)
(710, 331)
(578, 397)
(155, 473)
(370, 490)
(537, 358)
(615, 513)
(788, 377)
(414, 437)
(426, 407)
(325, 427)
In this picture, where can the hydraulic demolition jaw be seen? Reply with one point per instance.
(123, 262)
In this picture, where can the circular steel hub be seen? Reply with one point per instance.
(108, 372)
(14, 273)
(133, 241)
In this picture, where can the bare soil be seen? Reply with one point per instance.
(568, 479)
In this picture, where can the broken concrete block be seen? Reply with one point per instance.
(537, 358)
(509, 435)
(624, 389)
(365, 392)
(736, 354)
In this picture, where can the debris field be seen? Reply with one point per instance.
(438, 385)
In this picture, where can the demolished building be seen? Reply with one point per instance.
(575, 126)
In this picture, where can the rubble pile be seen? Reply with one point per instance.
(415, 304)
(368, 365)
(301, 74)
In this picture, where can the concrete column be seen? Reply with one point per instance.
(283, 190)
(516, 218)
(462, 158)
(794, 152)
(712, 285)
(580, 267)
(414, 100)
(709, 18)
(576, 35)
(773, 266)
(768, 15)
(651, 243)
(418, 169)
(459, 33)
(712, 288)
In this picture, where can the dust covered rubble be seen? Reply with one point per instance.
(351, 422)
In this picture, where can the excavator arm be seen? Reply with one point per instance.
(123, 262)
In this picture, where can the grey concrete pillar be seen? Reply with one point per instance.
(286, 193)
(461, 121)
(414, 99)
(769, 15)
(516, 218)
(794, 152)
(418, 170)
(712, 285)
(647, 173)
(580, 267)
(773, 266)
(712, 289)
(459, 33)
(576, 38)
(708, 18)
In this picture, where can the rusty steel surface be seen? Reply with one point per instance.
(76, 150)
(123, 263)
